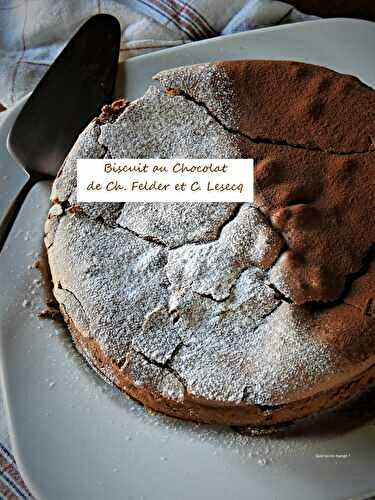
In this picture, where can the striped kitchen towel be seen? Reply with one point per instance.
(12, 485)
(32, 33)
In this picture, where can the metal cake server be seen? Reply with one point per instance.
(78, 83)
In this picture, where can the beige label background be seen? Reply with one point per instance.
(165, 180)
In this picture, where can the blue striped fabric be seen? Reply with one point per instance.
(191, 20)
(11, 483)
(181, 14)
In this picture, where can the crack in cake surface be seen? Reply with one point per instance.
(301, 96)
(264, 140)
(212, 269)
(217, 331)
(300, 290)
(311, 281)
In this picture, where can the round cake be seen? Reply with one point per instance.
(231, 313)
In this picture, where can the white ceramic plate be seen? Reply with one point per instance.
(76, 438)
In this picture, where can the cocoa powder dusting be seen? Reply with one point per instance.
(312, 133)
(230, 313)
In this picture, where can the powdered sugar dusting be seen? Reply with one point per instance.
(116, 280)
(278, 275)
(145, 374)
(205, 83)
(201, 317)
(178, 223)
(177, 128)
(282, 344)
(158, 337)
(212, 269)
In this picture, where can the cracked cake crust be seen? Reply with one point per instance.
(244, 314)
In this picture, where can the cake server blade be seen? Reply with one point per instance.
(78, 83)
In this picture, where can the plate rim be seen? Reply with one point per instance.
(17, 453)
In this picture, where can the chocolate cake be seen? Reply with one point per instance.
(241, 314)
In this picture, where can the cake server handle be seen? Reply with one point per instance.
(70, 94)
